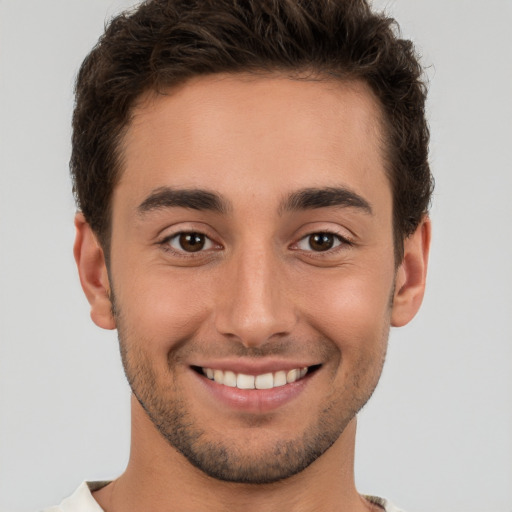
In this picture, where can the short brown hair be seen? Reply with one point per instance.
(165, 42)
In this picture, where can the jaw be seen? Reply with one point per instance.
(326, 483)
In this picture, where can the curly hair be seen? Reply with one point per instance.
(162, 43)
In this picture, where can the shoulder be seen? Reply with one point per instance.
(81, 500)
(386, 505)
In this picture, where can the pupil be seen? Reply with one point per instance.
(321, 241)
(192, 242)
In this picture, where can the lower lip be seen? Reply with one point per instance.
(256, 401)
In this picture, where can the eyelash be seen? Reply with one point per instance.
(339, 243)
(166, 244)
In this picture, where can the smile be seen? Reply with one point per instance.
(263, 381)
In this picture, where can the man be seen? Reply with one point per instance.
(253, 185)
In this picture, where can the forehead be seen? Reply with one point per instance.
(263, 133)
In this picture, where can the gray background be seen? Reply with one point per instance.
(437, 436)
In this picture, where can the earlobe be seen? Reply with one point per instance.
(411, 275)
(92, 270)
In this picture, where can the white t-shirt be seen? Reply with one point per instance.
(82, 501)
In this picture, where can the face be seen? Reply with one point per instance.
(252, 267)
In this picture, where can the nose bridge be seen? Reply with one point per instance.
(255, 305)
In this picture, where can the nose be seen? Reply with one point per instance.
(255, 302)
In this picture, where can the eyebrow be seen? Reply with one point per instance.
(204, 200)
(312, 198)
(195, 199)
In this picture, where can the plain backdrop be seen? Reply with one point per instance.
(436, 436)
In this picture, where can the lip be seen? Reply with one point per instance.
(253, 401)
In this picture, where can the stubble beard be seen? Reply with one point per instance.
(221, 458)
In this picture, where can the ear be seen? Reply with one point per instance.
(411, 275)
(92, 270)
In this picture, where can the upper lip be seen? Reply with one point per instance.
(254, 367)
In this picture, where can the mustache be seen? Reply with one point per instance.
(320, 348)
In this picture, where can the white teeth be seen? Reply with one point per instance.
(263, 381)
(218, 376)
(245, 381)
(292, 376)
(230, 379)
(279, 379)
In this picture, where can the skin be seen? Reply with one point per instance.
(259, 294)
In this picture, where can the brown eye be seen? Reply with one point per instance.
(190, 242)
(321, 241)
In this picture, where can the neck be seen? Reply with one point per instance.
(160, 479)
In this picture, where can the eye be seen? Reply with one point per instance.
(320, 242)
(190, 242)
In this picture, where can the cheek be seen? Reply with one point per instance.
(352, 309)
(162, 308)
